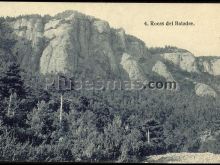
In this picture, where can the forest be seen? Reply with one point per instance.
(51, 125)
(39, 124)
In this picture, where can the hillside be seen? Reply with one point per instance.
(78, 44)
(42, 119)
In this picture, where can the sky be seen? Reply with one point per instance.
(202, 39)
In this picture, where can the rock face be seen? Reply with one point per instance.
(212, 66)
(131, 66)
(215, 67)
(29, 34)
(204, 90)
(185, 60)
(76, 43)
(71, 42)
(161, 69)
(188, 62)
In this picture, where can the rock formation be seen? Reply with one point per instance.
(204, 90)
(71, 42)
(161, 69)
(185, 60)
(211, 66)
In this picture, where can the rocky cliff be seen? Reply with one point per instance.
(71, 42)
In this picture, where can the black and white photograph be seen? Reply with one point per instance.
(109, 82)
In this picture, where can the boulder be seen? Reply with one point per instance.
(204, 90)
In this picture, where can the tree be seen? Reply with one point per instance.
(11, 85)
(41, 121)
(11, 80)
(154, 136)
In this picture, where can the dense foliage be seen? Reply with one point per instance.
(126, 126)
(101, 126)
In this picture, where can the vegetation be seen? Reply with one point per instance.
(100, 126)
(166, 49)
(127, 126)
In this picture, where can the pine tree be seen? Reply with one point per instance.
(11, 80)
(11, 85)
(154, 135)
(13, 94)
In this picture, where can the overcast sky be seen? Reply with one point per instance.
(201, 39)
